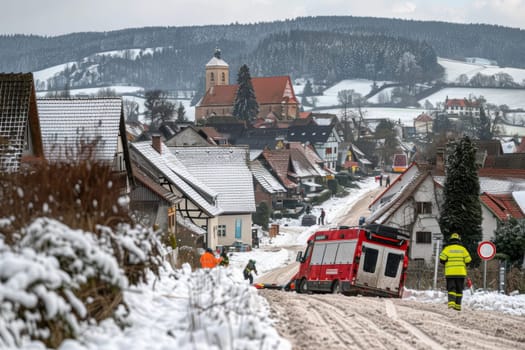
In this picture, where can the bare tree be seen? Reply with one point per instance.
(106, 92)
(131, 111)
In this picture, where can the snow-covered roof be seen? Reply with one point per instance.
(265, 178)
(412, 180)
(493, 185)
(178, 175)
(255, 153)
(519, 197)
(67, 125)
(508, 147)
(216, 62)
(225, 170)
(305, 161)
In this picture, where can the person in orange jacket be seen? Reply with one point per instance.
(208, 259)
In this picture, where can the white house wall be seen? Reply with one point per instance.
(229, 221)
(213, 239)
(489, 224)
(405, 217)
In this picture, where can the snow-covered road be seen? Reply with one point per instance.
(330, 321)
(420, 320)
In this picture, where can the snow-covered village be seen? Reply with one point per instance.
(333, 175)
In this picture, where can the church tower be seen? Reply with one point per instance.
(217, 71)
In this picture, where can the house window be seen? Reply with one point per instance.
(171, 219)
(370, 262)
(328, 150)
(423, 237)
(221, 230)
(392, 264)
(423, 208)
(238, 228)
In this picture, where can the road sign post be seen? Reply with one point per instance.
(437, 237)
(486, 251)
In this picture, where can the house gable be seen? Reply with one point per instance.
(20, 135)
(225, 170)
(175, 176)
(503, 206)
(70, 125)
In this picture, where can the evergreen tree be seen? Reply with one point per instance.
(485, 126)
(246, 106)
(510, 241)
(461, 210)
(262, 215)
(181, 113)
(308, 91)
(386, 130)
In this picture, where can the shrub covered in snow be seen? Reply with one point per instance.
(54, 278)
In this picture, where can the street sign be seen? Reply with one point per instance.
(486, 250)
(437, 236)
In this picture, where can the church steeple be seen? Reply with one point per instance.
(217, 71)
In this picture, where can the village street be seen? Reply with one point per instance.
(334, 321)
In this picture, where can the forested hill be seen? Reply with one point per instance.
(321, 47)
(332, 56)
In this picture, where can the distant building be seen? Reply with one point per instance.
(274, 94)
(423, 124)
(462, 107)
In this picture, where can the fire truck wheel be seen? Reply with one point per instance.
(303, 287)
(336, 287)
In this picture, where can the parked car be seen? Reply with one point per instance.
(239, 246)
(309, 220)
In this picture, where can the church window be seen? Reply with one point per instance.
(212, 77)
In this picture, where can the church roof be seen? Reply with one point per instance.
(214, 62)
(267, 90)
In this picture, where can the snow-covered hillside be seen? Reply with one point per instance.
(328, 101)
(454, 68)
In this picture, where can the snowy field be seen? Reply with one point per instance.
(405, 115)
(453, 69)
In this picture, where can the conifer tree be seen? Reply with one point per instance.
(181, 113)
(308, 91)
(510, 241)
(461, 210)
(485, 127)
(246, 106)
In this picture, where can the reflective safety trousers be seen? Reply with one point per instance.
(455, 257)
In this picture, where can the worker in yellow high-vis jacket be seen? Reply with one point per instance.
(456, 258)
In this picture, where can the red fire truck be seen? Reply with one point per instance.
(367, 260)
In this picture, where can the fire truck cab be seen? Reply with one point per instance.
(366, 260)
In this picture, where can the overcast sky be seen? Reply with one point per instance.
(55, 17)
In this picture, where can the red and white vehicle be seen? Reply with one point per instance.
(399, 163)
(367, 260)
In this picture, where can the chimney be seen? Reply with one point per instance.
(156, 144)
